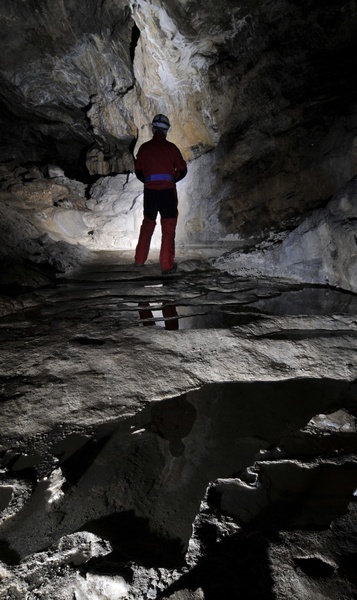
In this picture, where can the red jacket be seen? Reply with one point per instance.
(159, 157)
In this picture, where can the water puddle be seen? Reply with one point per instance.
(223, 312)
(189, 300)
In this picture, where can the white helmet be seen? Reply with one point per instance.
(161, 122)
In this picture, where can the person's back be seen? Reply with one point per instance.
(159, 156)
(159, 165)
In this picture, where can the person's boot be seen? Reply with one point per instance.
(169, 271)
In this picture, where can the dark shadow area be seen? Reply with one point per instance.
(315, 567)
(289, 496)
(135, 35)
(8, 555)
(80, 460)
(132, 540)
(348, 567)
(301, 334)
(21, 276)
(236, 568)
(132, 146)
(173, 420)
(88, 341)
(269, 410)
(5, 497)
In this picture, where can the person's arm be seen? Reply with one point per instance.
(181, 174)
(140, 175)
(138, 168)
(180, 166)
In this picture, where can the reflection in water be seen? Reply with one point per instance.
(169, 316)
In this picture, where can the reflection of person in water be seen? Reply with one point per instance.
(169, 313)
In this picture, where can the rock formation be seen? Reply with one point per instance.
(143, 461)
(194, 437)
(261, 97)
(322, 250)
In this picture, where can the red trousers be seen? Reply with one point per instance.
(168, 312)
(167, 250)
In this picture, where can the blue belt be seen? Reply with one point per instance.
(159, 177)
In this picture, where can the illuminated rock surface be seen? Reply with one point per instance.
(192, 437)
(322, 250)
(261, 97)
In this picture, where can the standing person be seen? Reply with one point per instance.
(159, 165)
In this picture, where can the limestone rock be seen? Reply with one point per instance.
(8, 305)
(266, 89)
(50, 574)
(99, 162)
(322, 250)
(24, 245)
(140, 460)
(188, 595)
(74, 187)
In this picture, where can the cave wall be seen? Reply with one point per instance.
(261, 97)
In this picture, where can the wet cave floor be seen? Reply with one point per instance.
(203, 425)
(197, 296)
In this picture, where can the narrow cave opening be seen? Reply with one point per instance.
(135, 35)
